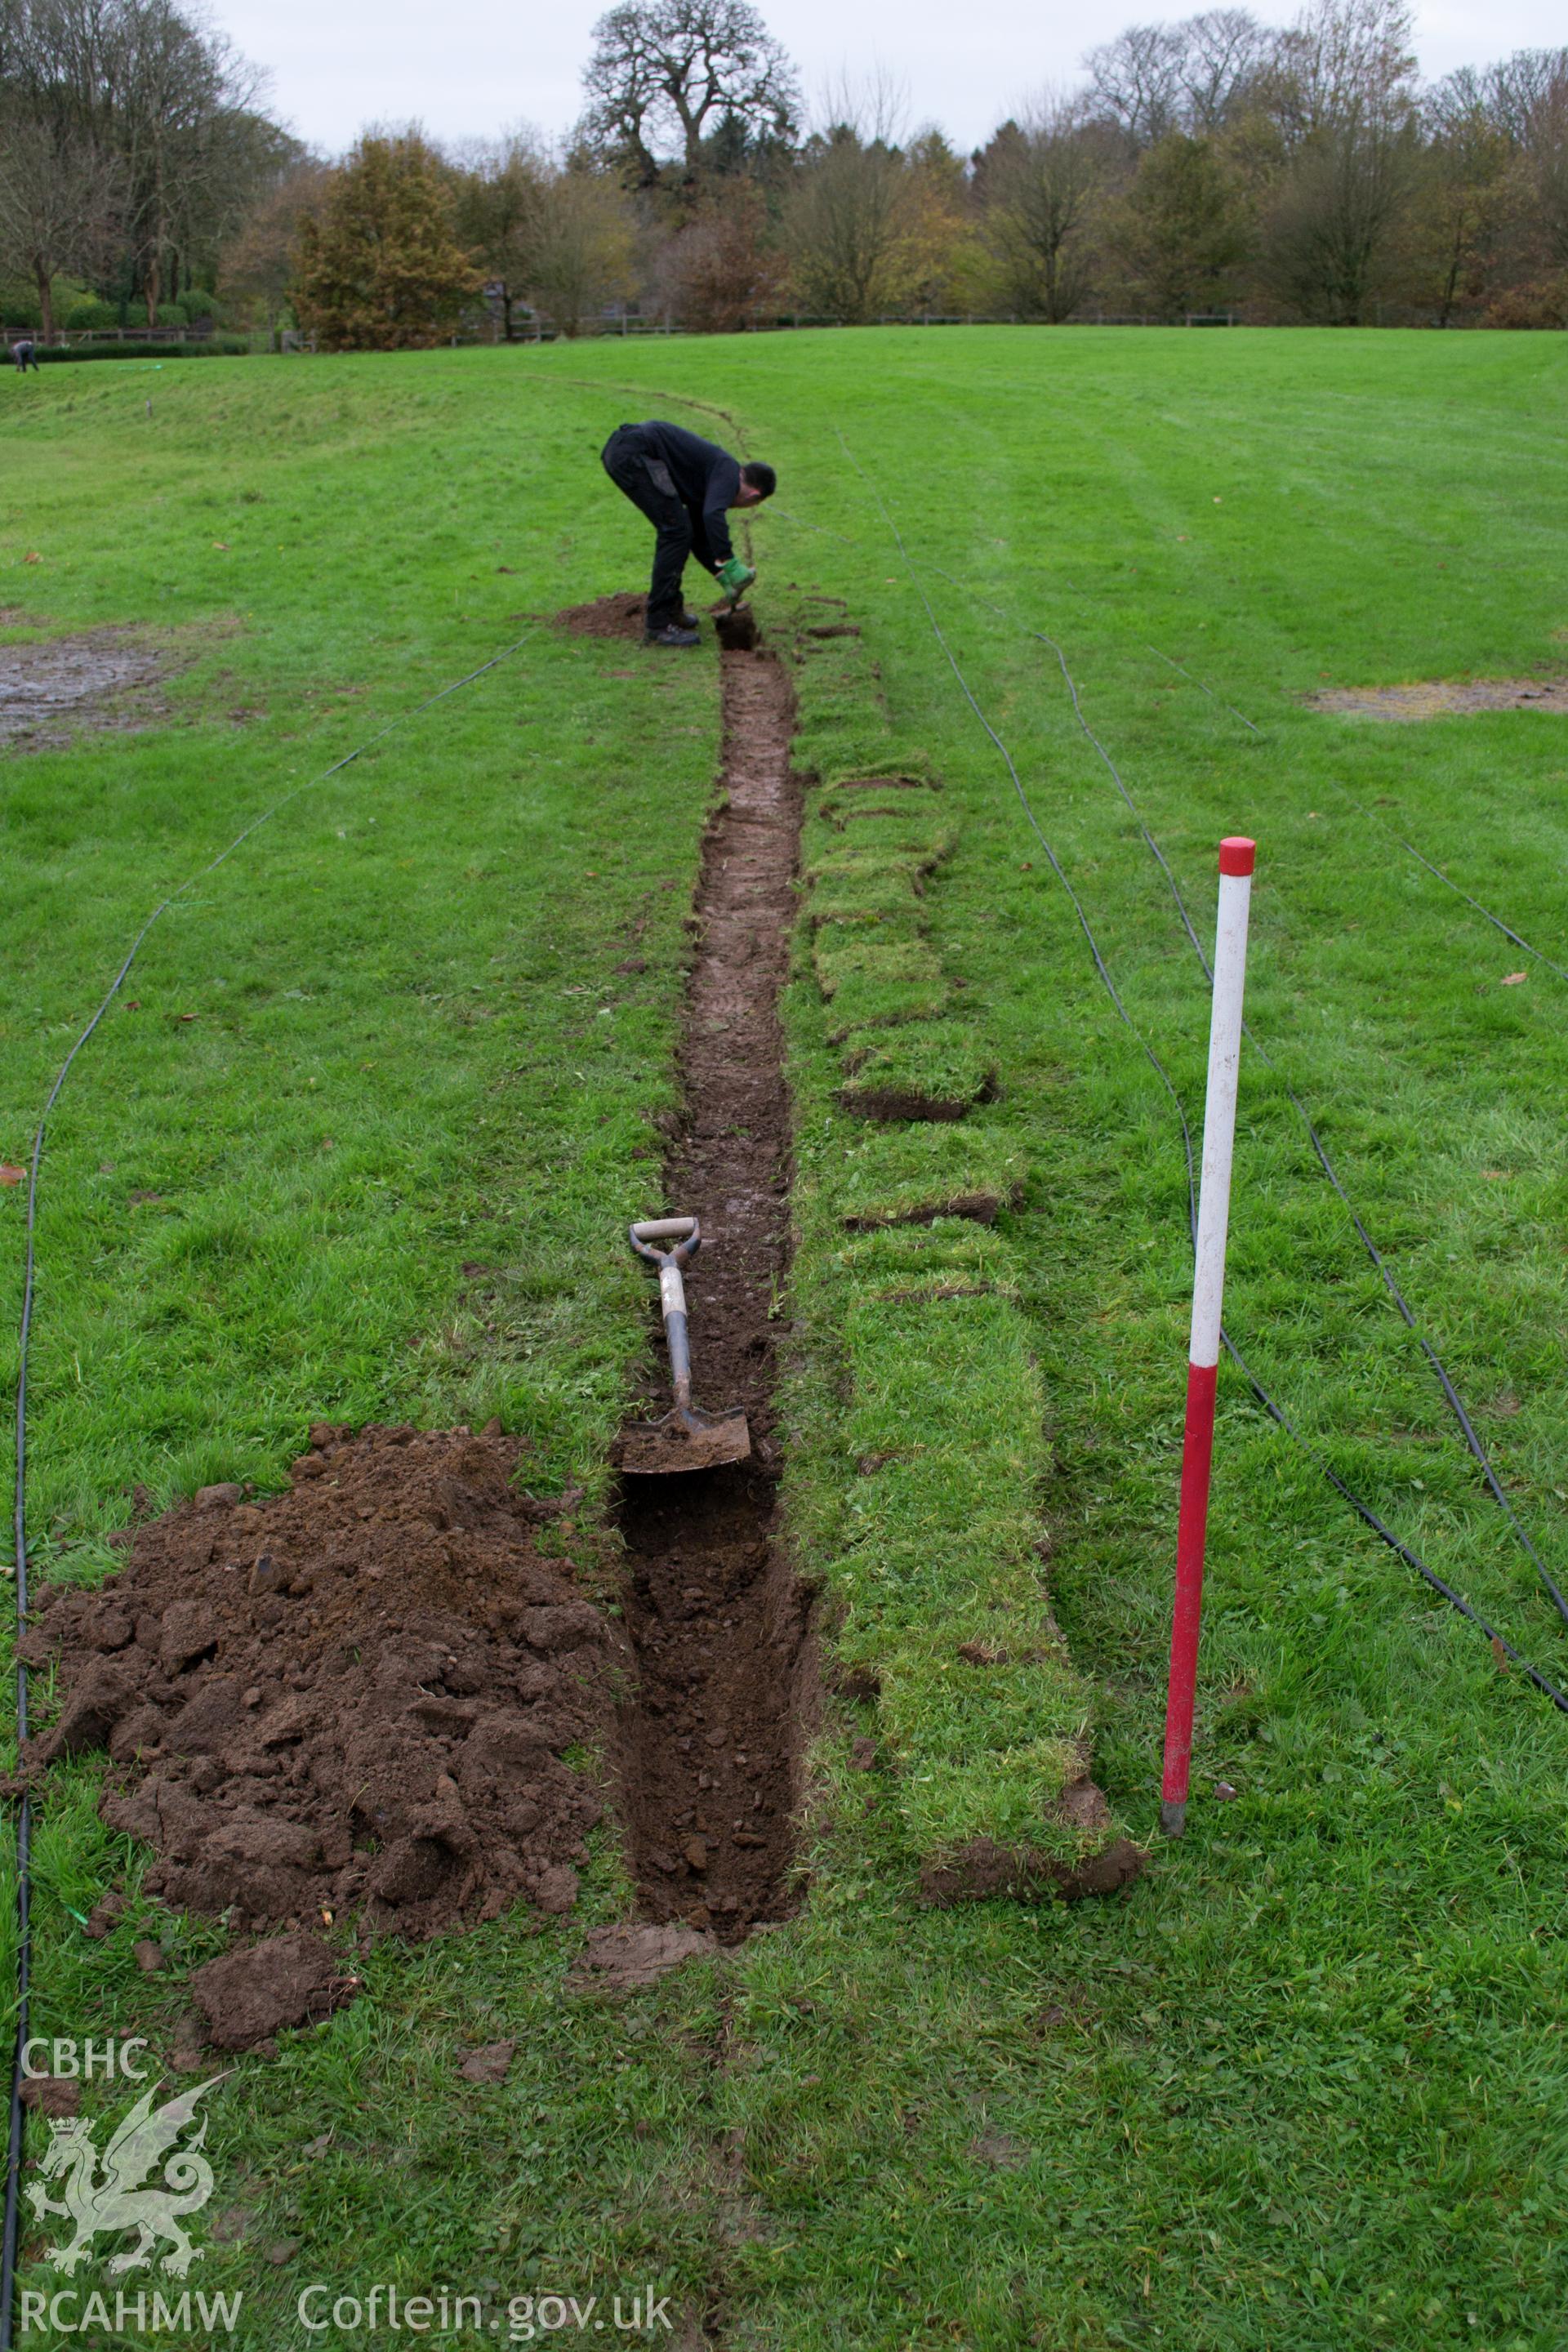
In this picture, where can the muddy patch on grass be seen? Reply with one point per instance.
(53, 686)
(711, 1743)
(359, 1697)
(1444, 699)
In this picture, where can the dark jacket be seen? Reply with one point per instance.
(706, 478)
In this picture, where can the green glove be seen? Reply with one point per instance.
(736, 576)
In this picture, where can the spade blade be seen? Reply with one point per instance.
(695, 1440)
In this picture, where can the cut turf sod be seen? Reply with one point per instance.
(712, 1737)
(910, 1176)
(927, 1070)
(939, 1622)
(872, 981)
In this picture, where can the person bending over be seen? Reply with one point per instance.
(25, 356)
(686, 487)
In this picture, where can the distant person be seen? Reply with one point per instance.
(24, 354)
(684, 486)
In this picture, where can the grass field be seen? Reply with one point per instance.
(1303, 2084)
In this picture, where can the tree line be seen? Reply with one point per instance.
(1214, 166)
(132, 144)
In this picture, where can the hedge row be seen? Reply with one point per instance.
(211, 347)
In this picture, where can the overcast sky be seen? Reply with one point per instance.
(472, 67)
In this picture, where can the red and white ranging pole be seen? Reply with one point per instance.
(1236, 863)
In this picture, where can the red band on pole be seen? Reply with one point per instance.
(1191, 1535)
(1236, 861)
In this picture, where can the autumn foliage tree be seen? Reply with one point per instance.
(381, 267)
(721, 273)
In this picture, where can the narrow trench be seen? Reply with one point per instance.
(712, 1738)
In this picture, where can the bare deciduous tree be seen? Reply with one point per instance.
(1223, 52)
(500, 201)
(665, 73)
(1136, 81)
(1040, 182)
(586, 246)
(1463, 198)
(1344, 64)
(1345, 100)
(258, 259)
(1545, 145)
(853, 214)
(165, 98)
(58, 194)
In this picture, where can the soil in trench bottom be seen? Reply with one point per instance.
(711, 1740)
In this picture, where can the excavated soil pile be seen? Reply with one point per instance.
(356, 1696)
(609, 616)
(622, 616)
(711, 1744)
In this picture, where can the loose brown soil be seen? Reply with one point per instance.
(356, 1696)
(903, 1105)
(621, 617)
(607, 617)
(246, 1996)
(710, 1746)
(1443, 698)
(56, 685)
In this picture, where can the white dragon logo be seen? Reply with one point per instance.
(117, 2200)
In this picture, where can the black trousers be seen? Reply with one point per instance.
(641, 474)
(25, 360)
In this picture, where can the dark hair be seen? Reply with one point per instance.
(758, 476)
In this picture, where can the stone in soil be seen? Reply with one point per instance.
(353, 1699)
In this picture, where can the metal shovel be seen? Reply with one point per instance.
(685, 1439)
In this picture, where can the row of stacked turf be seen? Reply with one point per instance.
(918, 1415)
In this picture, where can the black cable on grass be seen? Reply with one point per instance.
(1440, 1371)
(1364, 1512)
(1409, 846)
(9, 2232)
(1438, 873)
(1204, 689)
(1276, 1412)
(1450, 1393)
(1371, 814)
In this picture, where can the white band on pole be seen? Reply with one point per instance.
(1219, 1113)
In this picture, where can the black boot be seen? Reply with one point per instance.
(672, 634)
